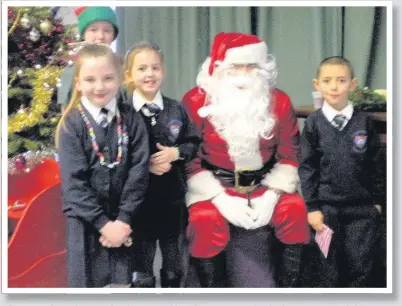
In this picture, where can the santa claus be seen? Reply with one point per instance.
(242, 185)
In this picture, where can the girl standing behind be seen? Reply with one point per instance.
(103, 151)
(173, 142)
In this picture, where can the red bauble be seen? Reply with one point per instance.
(20, 162)
(10, 12)
(30, 56)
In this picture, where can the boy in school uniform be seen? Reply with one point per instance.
(96, 25)
(341, 175)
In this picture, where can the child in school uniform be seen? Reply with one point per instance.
(96, 25)
(173, 142)
(341, 175)
(104, 159)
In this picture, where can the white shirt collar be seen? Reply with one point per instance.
(330, 112)
(94, 110)
(139, 100)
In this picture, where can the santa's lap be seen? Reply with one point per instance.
(209, 233)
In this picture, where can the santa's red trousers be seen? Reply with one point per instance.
(208, 230)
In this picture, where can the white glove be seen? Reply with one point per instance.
(264, 207)
(235, 210)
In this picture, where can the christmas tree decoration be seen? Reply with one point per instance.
(54, 120)
(28, 160)
(42, 97)
(25, 21)
(46, 26)
(34, 35)
(13, 21)
(22, 109)
(34, 68)
(20, 162)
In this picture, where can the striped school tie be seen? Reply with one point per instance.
(151, 109)
(103, 113)
(338, 121)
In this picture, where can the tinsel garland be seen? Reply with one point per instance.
(16, 21)
(27, 161)
(44, 82)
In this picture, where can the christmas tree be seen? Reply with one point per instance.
(38, 45)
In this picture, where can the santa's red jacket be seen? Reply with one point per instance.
(284, 145)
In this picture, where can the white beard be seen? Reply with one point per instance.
(241, 117)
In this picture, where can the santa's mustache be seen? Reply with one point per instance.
(229, 89)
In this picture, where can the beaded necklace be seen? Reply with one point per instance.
(95, 145)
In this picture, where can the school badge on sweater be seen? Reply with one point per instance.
(174, 127)
(360, 141)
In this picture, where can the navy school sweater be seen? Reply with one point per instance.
(96, 193)
(341, 167)
(173, 129)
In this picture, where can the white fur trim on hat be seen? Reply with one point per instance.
(282, 176)
(248, 54)
(202, 186)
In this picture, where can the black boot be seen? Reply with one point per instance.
(211, 271)
(291, 261)
(143, 280)
(170, 279)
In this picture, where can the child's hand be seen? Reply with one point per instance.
(108, 237)
(165, 155)
(125, 230)
(316, 220)
(115, 233)
(160, 169)
(124, 226)
(107, 244)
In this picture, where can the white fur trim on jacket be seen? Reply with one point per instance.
(282, 176)
(202, 186)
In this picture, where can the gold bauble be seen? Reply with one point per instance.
(46, 26)
(54, 120)
(25, 21)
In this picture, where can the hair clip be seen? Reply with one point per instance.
(143, 44)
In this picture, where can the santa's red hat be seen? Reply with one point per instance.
(237, 48)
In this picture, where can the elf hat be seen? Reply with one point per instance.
(237, 48)
(90, 14)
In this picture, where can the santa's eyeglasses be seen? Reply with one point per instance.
(239, 69)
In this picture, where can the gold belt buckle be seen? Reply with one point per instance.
(238, 187)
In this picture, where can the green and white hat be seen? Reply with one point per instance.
(90, 14)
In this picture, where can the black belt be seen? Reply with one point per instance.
(238, 178)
